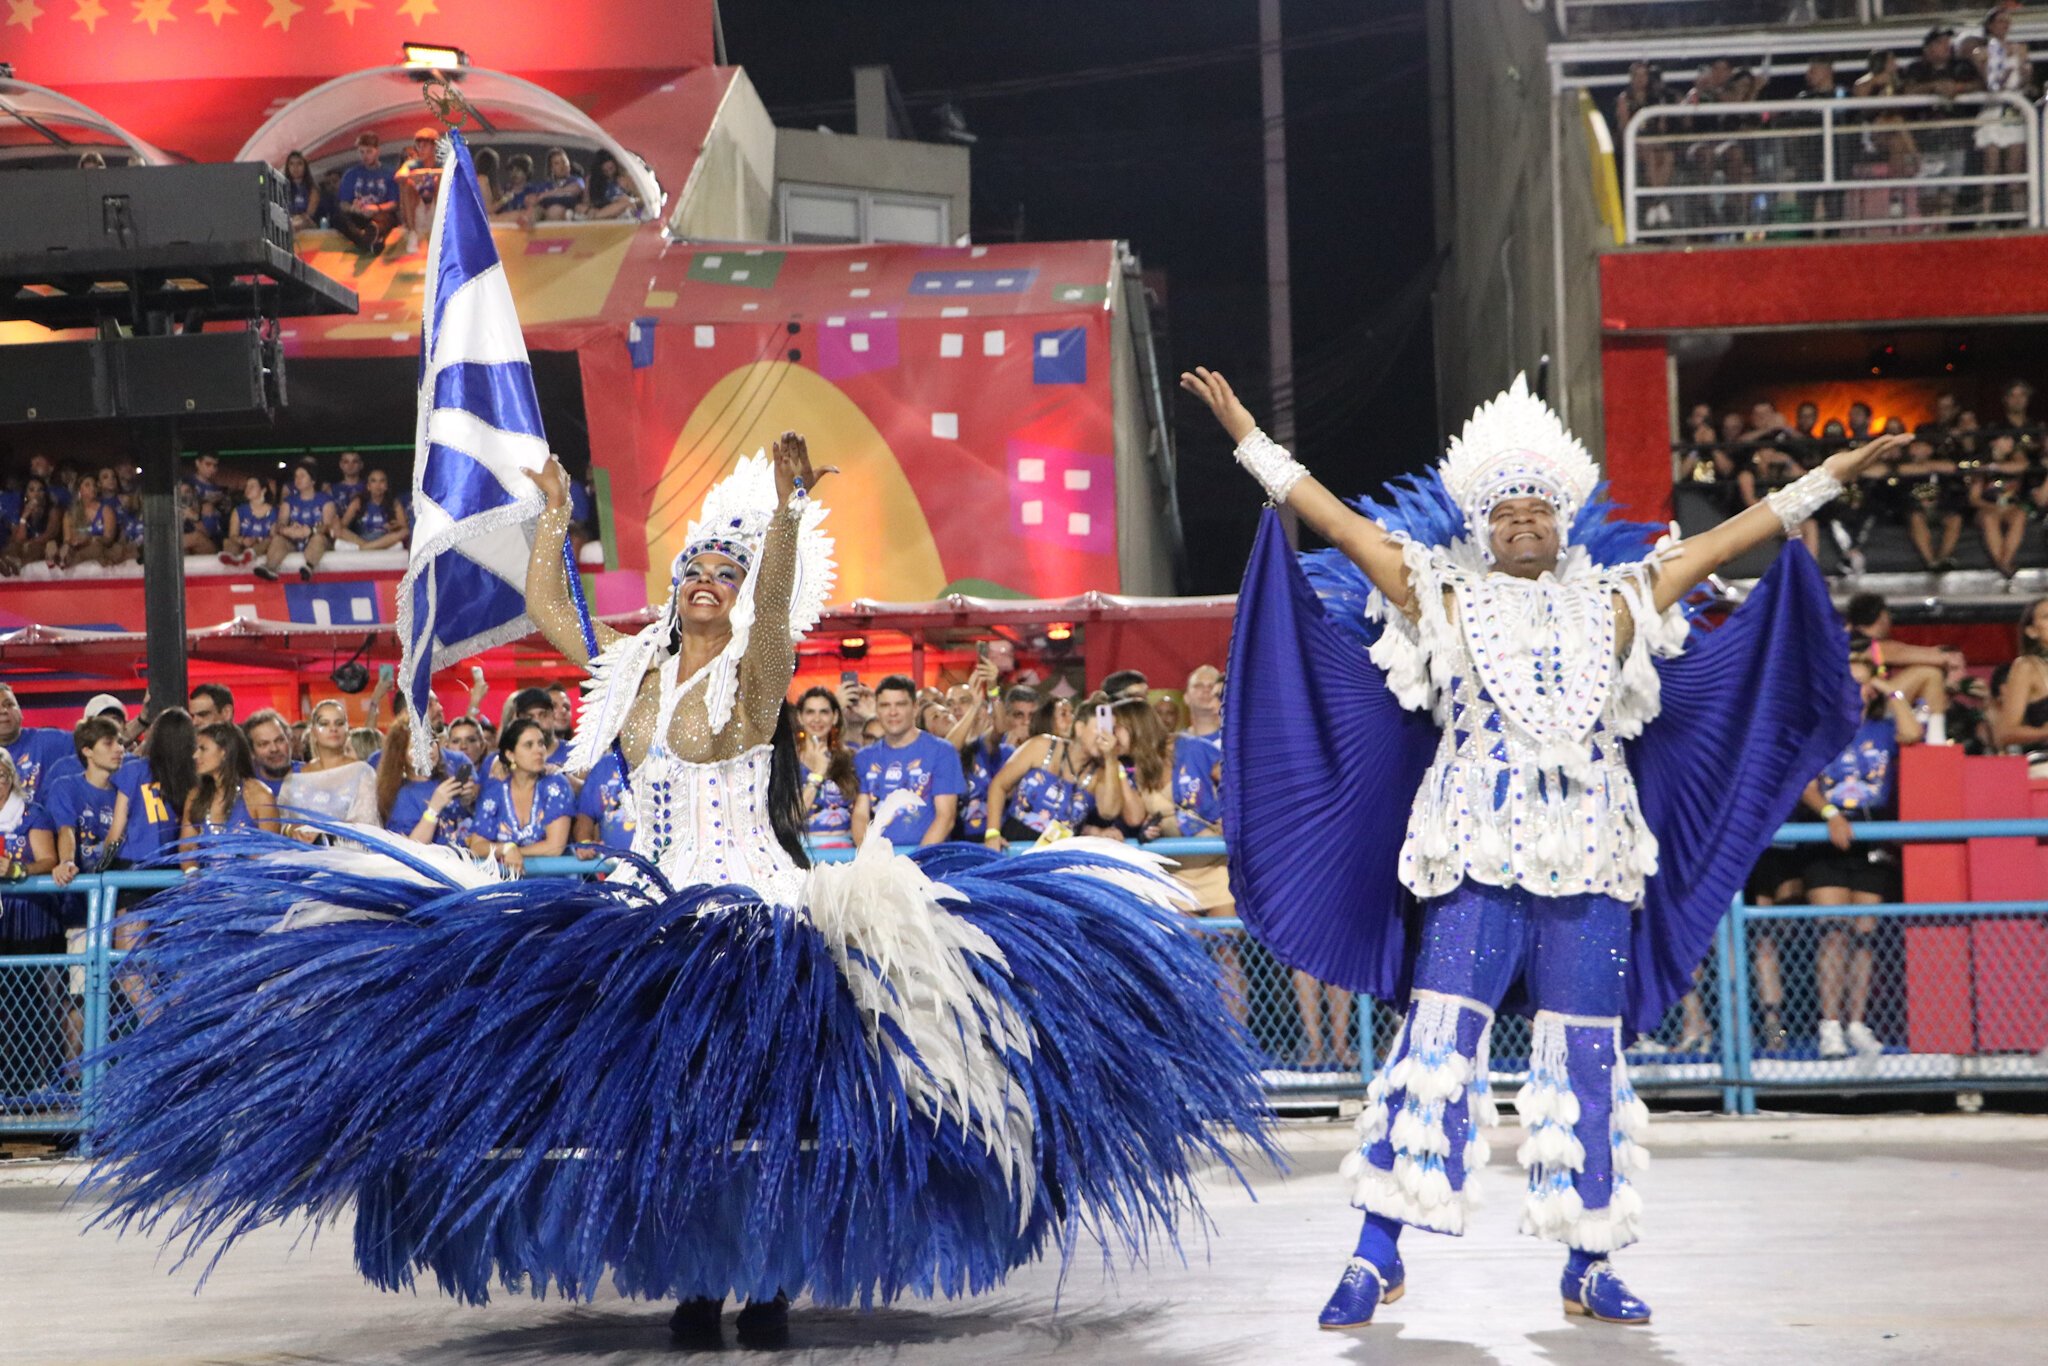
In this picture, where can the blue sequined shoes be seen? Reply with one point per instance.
(1362, 1290)
(1597, 1293)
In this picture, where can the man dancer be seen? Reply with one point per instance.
(1515, 614)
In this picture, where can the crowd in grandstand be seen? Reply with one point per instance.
(1938, 145)
(1959, 473)
(65, 516)
(375, 206)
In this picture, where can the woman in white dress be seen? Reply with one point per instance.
(719, 1071)
(333, 785)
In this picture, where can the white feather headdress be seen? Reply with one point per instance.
(1515, 446)
(733, 522)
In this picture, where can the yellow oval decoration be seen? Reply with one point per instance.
(883, 542)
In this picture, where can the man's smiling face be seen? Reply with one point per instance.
(1524, 536)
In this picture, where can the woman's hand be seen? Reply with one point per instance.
(994, 840)
(1214, 390)
(446, 791)
(1840, 833)
(63, 873)
(792, 457)
(1846, 465)
(514, 861)
(553, 482)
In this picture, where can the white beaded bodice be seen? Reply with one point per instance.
(708, 823)
(1534, 684)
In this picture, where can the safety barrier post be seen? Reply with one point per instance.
(1745, 1041)
(99, 982)
(1727, 965)
(1366, 1026)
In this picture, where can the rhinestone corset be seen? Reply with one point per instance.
(708, 823)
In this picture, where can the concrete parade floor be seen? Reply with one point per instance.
(1911, 1246)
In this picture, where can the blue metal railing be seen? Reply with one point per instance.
(1733, 1070)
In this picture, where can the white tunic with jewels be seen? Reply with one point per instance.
(1534, 683)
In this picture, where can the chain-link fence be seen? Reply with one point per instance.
(1792, 997)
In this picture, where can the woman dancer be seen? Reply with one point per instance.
(716, 1073)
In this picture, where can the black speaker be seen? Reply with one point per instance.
(131, 208)
(54, 382)
(199, 372)
(180, 376)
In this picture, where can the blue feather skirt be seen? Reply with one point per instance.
(548, 1083)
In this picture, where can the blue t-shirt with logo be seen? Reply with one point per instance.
(256, 526)
(451, 827)
(88, 810)
(307, 511)
(373, 183)
(1860, 779)
(498, 821)
(982, 767)
(607, 798)
(372, 521)
(828, 810)
(34, 751)
(152, 825)
(1197, 784)
(926, 765)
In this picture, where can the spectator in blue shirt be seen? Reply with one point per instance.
(34, 749)
(831, 779)
(211, 497)
(351, 486)
(907, 759)
(419, 185)
(251, 525)
(368, 208)
(610, 195)
(302, 191)
(1204, 697)
(28, 846)
(29, 534)
(563, 195)
(518, 189)
(226, 796)
(537, 706)
(377, 518)
(604, 809)
(82, 807)
(435, 809)
(306, 524)
(527, 811)
(149, 806)
(270, 748)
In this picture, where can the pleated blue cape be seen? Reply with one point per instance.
(1323, 766)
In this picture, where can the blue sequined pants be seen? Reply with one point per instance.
(1420, 1136)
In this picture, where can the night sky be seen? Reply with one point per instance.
(1170, 160)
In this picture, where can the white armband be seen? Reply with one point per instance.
(1269, 463)
(1803, 497)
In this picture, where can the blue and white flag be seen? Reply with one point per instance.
(479, 431)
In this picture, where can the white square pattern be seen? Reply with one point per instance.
(858, 341)
(1032, 513)
(1049, 347)
(860, 293)
(1031, 471)
(706, 336)
(1076, 479)
(946, 426)
(1077, 524)
(951, 344)
(992, 342)
(953, 311)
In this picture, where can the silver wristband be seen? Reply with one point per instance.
(1803, 497)
(1269, 463)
